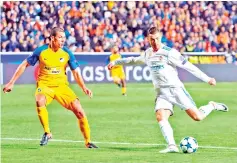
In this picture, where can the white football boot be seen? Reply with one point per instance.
(170, 149)
(219, 106)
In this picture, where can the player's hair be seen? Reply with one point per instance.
(153, 30)
(54, 31)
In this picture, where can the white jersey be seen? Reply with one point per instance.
(162, 65)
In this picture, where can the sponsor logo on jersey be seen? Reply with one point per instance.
(52, 70)
(47, 68)
(61, 59)
(158, 67)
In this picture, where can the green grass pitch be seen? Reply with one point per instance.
(124, 128)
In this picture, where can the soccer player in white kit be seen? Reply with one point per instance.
(162, 62)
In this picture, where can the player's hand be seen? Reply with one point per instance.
(8, 87)
(212, 81)
(110, 65)
(88, 92)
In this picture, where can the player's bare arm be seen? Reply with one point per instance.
(80, 82)
(19, 71)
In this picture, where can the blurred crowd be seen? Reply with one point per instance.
(97, 26)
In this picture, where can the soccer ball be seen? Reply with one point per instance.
(188, 145)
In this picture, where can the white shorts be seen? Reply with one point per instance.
(168, 97)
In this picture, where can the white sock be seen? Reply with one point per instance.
(206, 110)
(167, 132)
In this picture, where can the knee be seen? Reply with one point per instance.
(123, 83)
(197, 118)
(40, 100)
(116, 80)
(77, 109)
(159, 117)
(163, 114)
(195, 114)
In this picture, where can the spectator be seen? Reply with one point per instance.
(199, 47)
(190, 26)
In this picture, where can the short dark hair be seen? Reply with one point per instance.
(153, 30)
(54, 31)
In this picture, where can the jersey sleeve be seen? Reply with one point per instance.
(34, 57)
(130, 61)
(178, 60)
(72, 62)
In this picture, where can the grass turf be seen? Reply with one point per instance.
(115, 118)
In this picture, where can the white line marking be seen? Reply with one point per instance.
(188, 88)
(117, 143)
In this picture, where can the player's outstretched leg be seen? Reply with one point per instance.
(204, 111)
(83, 123)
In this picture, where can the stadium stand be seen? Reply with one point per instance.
(96, 26)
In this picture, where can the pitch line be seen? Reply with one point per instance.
(190, 89)
(116, 143)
